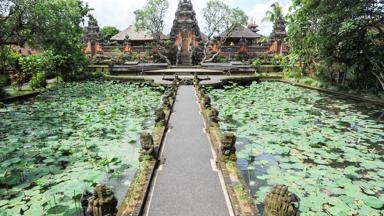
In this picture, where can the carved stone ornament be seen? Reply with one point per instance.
(147, 146)
(103, 202)
(280, 202)
(228, 149)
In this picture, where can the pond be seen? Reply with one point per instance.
(329, 151)
(58, 145)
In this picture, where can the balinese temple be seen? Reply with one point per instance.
(185, 32)
(277, 38)
(241, 32)
(137, 38)
(93, 37)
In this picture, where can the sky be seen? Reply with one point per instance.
(119, 13)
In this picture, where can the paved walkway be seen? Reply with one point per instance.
(186, 184)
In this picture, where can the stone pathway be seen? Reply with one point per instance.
(187, 184)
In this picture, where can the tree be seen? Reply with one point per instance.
(47, 25)
(16, 21)
(151, 20)
(348, 35)
(108, 32)
(303, 25)
(274, 14)
(151, 17)
(221, 20)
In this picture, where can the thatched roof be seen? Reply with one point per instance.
(134, 35)
(242, 31)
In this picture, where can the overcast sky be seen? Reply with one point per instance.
(119, 13)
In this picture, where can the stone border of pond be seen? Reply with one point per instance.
(129, 79)
(336, 93)
(137, 194)
(238, 191)
(246, 80)
(22, 97)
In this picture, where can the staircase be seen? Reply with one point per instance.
(185, 59)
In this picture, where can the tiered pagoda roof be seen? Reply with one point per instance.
(278, 32)
(185, 19)
(92, 31)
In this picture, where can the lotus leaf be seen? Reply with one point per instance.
(56, 146)
(328, 150)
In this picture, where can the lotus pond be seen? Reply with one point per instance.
(67, 139)
(328, 150)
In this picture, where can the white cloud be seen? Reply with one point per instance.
(257, 12)
(119, 13)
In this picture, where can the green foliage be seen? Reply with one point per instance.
(38, 80)
(3, 94)
(46, 62)
(151, 17)
(5, 79)
(47, 25)
(274, 14)
(220, 59)
(57, 146)
(220, 18)
(346, 33)
(167, 43)
(256, 63)
(238, 17)
(277, 60)
(108, 32)
(293, 73)
(327, 150)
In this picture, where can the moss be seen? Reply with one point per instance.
(137, 184)
(242, 194)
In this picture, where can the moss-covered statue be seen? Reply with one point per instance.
(103, 202)
(228, 149)
(147, 146)
(279, 202)
(207, 102)
(160, 117)
(213, 116)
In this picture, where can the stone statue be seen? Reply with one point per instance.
(85, 201)
(147, 146)
(213, 116)
(160, 116)
(228, 149)
(166, 103)
(279, 202)
(207, 101)
(103, 202)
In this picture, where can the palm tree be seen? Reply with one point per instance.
(275, 13)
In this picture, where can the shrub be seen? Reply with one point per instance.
(5, 79)
(308, 81)
(277, 60)
(220, 59)
(38, 81)
(3, 94)
(46, 62)
(256, 63)
(293, 73)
